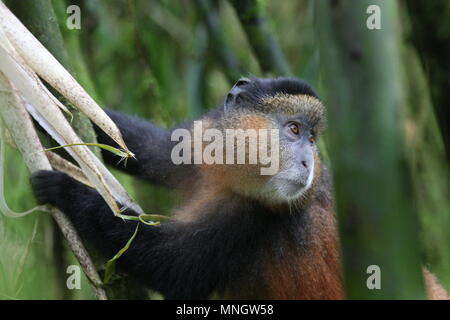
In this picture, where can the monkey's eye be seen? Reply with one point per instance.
(295, 129)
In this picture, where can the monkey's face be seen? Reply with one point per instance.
(287, 161)
(299, 120)
(297, 152)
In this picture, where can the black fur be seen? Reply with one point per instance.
(270, 87)
(152, 148)
(248, 92)
(222, 250)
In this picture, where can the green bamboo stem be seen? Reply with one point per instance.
(434, 50)
(261, 39)
(220, 47)
(362, 80)
(196, 73)
(425, 145)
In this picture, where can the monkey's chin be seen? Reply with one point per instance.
(292, 190)
(284, 190)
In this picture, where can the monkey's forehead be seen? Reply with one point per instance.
(292, 105)
(262, 114)
(305, 106)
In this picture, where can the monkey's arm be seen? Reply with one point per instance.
(177, 259)
(152, 147)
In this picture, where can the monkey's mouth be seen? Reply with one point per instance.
(292, 189)
(288, 185)
(295, 185)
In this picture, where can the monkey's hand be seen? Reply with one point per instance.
(85, 207)
(58, 189)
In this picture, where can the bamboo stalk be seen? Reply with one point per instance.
(220, 47)
(20, 126)
(47, 67)
(261, 38)
(361, 72)
(434, 51)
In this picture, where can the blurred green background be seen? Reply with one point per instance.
(169, 60)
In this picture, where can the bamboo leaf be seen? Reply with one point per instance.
(148, 219)
(46, 66)
(120, 153)
(111, 263)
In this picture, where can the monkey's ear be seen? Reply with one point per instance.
(233, 95)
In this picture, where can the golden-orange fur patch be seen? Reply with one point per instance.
(238, 176)
(312, 272)
(309, 107)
